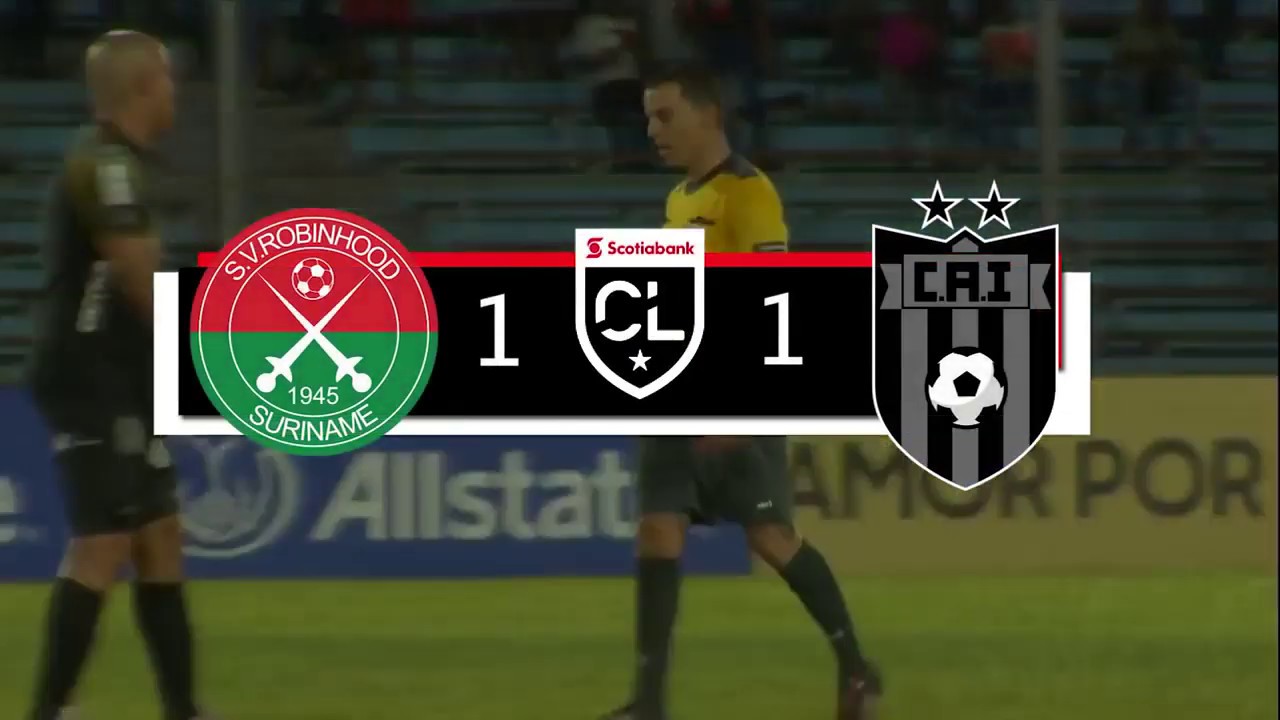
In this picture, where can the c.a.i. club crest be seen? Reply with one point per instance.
(965, 340)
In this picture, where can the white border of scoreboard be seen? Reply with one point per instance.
(1071, 410)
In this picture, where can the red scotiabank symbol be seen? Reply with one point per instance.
(593, 247)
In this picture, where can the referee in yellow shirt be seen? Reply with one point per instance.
(684, 480)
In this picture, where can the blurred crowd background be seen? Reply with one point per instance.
(1146, 127)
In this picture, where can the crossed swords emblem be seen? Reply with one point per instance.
(283, 366)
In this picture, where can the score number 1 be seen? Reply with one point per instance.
(784, 356)
(500, 359)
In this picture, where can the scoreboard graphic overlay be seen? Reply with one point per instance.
(611, 339)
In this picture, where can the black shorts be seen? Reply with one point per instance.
(746, 485)
(107, 490)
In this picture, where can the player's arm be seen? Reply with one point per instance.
(111, 202)
(755, 216)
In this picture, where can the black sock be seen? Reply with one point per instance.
(161, 611)
(811, 580)
(657, 598)
(71, 626)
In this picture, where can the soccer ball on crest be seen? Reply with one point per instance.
(313, 278)
(967, 383)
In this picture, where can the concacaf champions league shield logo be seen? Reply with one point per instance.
(965, 340)
(639, 304)
(315, 333)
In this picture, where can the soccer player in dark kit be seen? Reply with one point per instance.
(91, 377)
(703, 480)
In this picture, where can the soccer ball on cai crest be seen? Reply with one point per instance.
(968, 384)
(313, 278)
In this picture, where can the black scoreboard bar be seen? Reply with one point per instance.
(809, 312)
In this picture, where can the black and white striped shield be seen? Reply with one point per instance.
(965, 347)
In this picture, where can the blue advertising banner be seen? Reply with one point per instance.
(403, 508)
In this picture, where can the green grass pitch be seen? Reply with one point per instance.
(1092, 648)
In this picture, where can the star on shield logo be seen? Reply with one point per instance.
(965, 346)
(639, 304)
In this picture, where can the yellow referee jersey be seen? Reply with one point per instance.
(735, 204)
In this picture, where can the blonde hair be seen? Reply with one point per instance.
(116, 63)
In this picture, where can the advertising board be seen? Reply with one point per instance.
(404, 507)
(1179, 473)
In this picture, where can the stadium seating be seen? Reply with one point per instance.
(1184, 261)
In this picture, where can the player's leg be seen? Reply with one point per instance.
(809, 576)
(665, 481)
(94, 492)
(659, 544)
(760, 495)
(159, 601)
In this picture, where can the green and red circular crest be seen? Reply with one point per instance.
(315, 333)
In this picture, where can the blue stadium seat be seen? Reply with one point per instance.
(1247, 8)
(15, 329)
(508, 139)
(1261, 94)
(433, 50)
(20, 282)
(1254, 322)
(1107, 8)
(495, 234)
(1158, 231)
(426, 8)
(568, 95)
(800, 191)
(841, 231)
(1197, 277)
(29, 233)
(517, 139)
(441, 51)
(34, 142)
(458, 116)
(551, 95)
(31, 193)
(798, 52)
(29, 94)
(498, 93)
(1254, 364)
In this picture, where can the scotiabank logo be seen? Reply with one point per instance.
(637, 248)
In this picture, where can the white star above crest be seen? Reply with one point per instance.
(937, 207)
(994, 207)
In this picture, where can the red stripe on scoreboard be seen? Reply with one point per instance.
(543, 259)
(540, 259)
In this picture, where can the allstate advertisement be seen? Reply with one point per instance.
(402, 508)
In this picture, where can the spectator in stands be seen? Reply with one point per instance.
(732, 37)
(1006, 83)
(668, 44)
(1156, 81)
(325, 55)
(853, 37)
(345, 57)
(320, 51)
(913, 58)
(604, 46)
